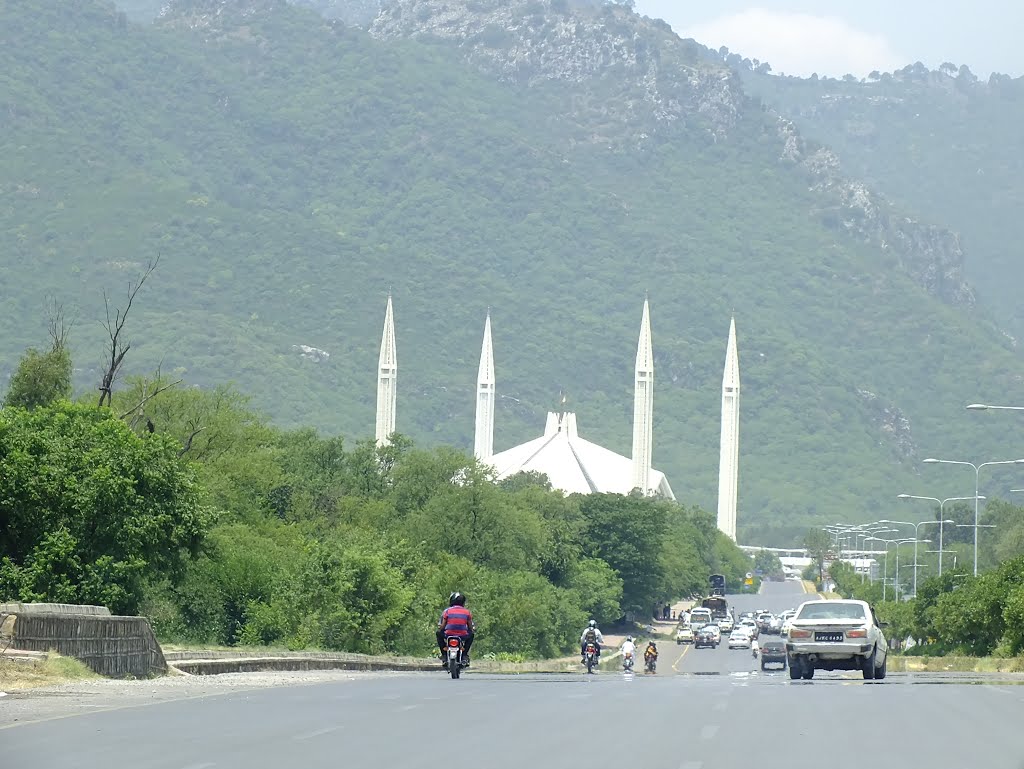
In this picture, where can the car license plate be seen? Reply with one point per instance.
(829, 637)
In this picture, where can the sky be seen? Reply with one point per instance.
(838, 37)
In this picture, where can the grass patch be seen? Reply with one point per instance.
(55, 669)
(955, 664)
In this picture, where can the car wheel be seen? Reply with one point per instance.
(869, 665)
(806, 671)
(880, 672)
(794, 668)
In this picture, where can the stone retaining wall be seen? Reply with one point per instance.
(118, 647)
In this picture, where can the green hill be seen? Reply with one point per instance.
(289, 171)
(941, 143)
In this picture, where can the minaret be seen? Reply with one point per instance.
(643, 406)
(484, 443)
(387, 379)
(729, 460)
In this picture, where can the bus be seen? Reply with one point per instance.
(717, 582)
(717, 605)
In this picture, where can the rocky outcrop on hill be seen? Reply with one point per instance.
(931, 255)
(648, 78)
(892, 424)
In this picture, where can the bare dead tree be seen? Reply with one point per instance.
(115, 326)
(194, 429)
(58, 326)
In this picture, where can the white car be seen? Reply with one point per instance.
(739, 639)
(684, 635)
(726, 624)
(716, 631)
(750, 626)
(835, 635)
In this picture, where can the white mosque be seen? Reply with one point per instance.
(573, 464)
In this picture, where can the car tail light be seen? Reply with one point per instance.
(795, 632)
(859, 632)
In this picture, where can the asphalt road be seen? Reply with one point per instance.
(719, 711)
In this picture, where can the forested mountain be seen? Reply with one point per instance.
(548, 160)
(941, 143)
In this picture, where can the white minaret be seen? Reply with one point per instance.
(484, 443)
(729, 460)
(643, 406)
(387, 379)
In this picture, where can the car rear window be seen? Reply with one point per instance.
(832, 610)
(773, 646)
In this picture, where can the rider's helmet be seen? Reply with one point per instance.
(629, 638)
(456, 599)
(593, 623)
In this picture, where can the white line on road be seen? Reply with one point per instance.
(206, 765)
(311, 735)
(408, 707)
(692, 765)
(708, 732)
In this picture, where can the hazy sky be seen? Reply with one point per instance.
(837, 37)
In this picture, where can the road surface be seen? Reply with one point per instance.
(719, 711)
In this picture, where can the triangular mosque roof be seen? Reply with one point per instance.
(572, 464)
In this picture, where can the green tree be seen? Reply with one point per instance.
(819, 548)
(88, 509)
(769, 564)
(42, 378)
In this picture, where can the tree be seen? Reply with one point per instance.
(42, 378)
(115, 328)
(89, 510)
(766, 562)
(819, 547)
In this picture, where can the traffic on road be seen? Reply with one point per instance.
(714, 706)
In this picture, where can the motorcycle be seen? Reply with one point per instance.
(651, 664)
(627, 662)
(590, 658)
(753, 651)
(454, 649)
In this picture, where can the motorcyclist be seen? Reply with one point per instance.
(592, 634)
(755, 647)
(456, 620)
(628, 647)
(651, 652)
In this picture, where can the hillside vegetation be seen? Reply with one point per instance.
(289, 171)
(942, 143)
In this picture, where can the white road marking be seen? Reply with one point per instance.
(317, 733)
(708, 732)
(692, 765)
(408, 707)
(207, 765)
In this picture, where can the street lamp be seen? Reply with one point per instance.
(897, 587)
(987, 407)
(977, 472)
(885, 566)
(916, 527)
(942, 504)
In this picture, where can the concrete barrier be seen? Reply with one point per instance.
(17, 607)
(118, 647)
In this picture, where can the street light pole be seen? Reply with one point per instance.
(942, 512)
(977, 473)
(987, 407)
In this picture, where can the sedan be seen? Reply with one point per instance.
(704, 638)
(726, 624)
(836, 635)
(684, 635)
(739, 639)
(773, 653)
(716, 631)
